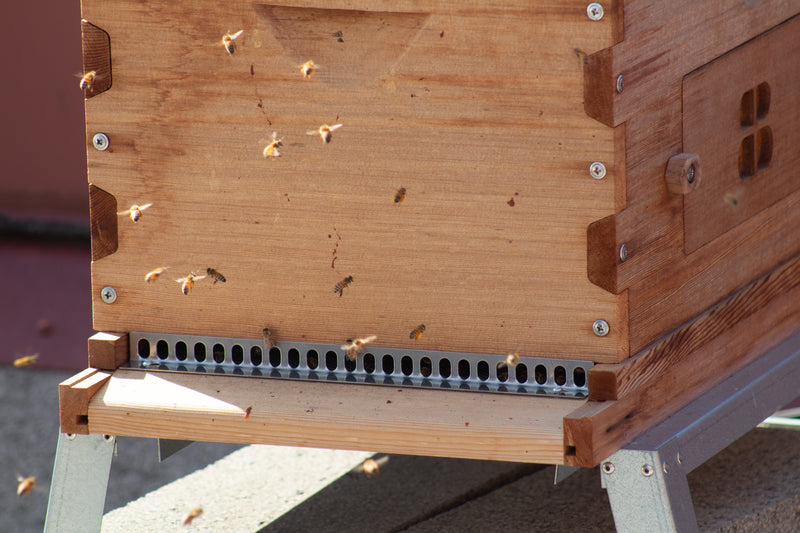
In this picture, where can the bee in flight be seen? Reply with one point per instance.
(135, 211)
(355, 346)
(187, 283)
(26, 360)
(153, 275)
(215, 275)
(267, 334)
(325, 132)
(272, 148)
(400, 195)
(308, 68)
(339, 287)
(512, 359)
(25, 485)
(372, 466)
(416, 333)
(88, 79)
(227, 41)
(191, 515)
(247, 412)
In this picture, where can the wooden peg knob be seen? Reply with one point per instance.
(683, 173)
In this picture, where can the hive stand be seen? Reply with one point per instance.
(645, 480)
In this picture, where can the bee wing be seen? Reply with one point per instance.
(143, 207)
(335, 127)
(182, 280)
(312, 132)
(236, 35)
(126, 212)
(198, 277)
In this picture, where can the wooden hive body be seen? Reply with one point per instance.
(490, 115)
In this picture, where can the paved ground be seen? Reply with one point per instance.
(754, 485)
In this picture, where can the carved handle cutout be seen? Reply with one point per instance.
(103, 215)
(96, 57)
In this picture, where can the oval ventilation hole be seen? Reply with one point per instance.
(237, 354)
(256, 355)
(579, 377)
(199, 352)
(331, 361)
(388, 364)
(463, 369)
(218, 353)
(560, 376)
(275, 357)
(369, 363)
(444, 368)
(483, 370)
(406, 365)
(350, 364)
(540, 374)
(143, 348)
(312, 359)
(294, 358)
(181, 351)
(502, 371)
(162, 349)
(425, 367)
(522, 373)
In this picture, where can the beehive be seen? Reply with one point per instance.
(581, 183)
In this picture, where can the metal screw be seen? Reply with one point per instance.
(597, 170)
(108, 437)
(108, 294)
(690, 174)
(608, 467)
(623, 252)
(647, 470)
(100, 141)
(620, 83)
(595, 11)
(600, 327)
(71, 436)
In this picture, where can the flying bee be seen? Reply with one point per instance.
(339, 287)
(247, 412)
(372, 466)
(271, 149)
(400, 195)
(512, 359)
(325, 132)
(308, 68)
(153, 275)
(187, 283)
(267, 333)
(25, 485)
(416, 333)
(88, 79)
(215, 275)
(191, 515)
(227, 41)
(135, 211)
(26, 360)
(355, 346)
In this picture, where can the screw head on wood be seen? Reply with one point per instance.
(597, 170)
(620, 84)
(594, 11)
(683, 173)
(100, 141)
(623, 252)
(600, 327)
(108, 294)
(608, 467)
(647, 470)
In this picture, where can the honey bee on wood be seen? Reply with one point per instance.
(400, 195)
(339, 287)
(153, 275)
(26, 360)
(135, 211)
(267, 333)
(216, 275)
(308, 68)
(191, 515)
(25, 485)
(88, 79)
(325, 132)
(416, 333)
(271, 149)
(188, 282)
(227, 41)
(372, 466)
(355, 346)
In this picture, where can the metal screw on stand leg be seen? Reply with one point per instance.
(108, 295)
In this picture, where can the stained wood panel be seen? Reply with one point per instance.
(475, 108)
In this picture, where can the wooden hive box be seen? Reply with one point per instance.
(612, 187)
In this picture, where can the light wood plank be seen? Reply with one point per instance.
(331, 415)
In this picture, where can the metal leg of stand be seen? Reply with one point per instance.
(80, 479)
(646, 479)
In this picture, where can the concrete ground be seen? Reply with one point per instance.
(754, 485)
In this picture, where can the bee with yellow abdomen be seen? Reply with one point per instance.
(512, 359)
(216, 275)
(153, 275)
(271, 149)
(400, 195)
(26, 360)
(325, 132)
(135, 211)
(227, 41)
(25, 485)
(355, 346)
(88, 79)
(189, 517)
(339, 287)
(372, 466)
(188, 282)
(308, 68)
(416, 333)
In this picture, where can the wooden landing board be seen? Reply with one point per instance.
(331, 415)
(475, 108)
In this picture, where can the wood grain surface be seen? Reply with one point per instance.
(475, 108)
